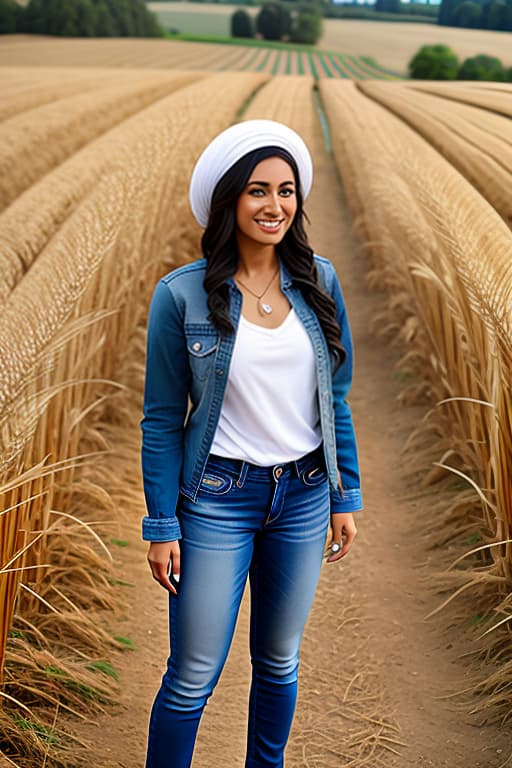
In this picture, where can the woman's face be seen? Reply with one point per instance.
(266, 208)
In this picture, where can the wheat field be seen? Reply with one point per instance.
(95, 165)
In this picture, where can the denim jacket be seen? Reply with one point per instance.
(187, 369)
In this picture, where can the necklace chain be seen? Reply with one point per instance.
(260, 295)
(264, 309)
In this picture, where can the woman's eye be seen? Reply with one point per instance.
(256, 192)
(287, 192)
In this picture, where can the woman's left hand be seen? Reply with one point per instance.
(343, 529)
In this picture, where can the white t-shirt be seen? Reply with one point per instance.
(270, 410)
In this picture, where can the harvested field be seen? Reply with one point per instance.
(24, 50)
(406, 658)
(393, 45)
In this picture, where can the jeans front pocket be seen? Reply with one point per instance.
(216, 483)
(314, 475)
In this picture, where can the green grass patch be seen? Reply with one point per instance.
(288, 67)
(249, 42)
(475, 538)
(334, 61)
(126, 642)
(87, 692)
(366, 63)
(43, 732)
(324, 65)
(312, 64)
(404, 375)
(275, 66)
(119, 582)
(120, 542)
(103, 666)
(263, 63)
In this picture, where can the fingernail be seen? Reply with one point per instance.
(176, 576)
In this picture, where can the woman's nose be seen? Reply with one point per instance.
(274, 203)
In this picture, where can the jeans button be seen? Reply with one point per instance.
(278, 471)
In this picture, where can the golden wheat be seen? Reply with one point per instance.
(34, 142)
(25, 88)
(485, 160)
(445, 255)
(31, 220)
(67, 325)
(486, 98)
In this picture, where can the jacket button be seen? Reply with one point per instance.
(196, 346)
(219, 372)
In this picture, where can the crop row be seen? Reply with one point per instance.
(121, 219)
(444, 255)
(176, 54)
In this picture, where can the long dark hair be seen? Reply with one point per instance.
(219, 247)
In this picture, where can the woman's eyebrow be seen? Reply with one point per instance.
(267, 183)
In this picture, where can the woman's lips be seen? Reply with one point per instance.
(269, 225)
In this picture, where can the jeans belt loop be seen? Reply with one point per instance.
(243, 474)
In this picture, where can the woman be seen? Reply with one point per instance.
(245, 482)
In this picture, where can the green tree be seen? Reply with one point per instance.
(434, 62)
(273, 21)
(481, 67)
(146, 23)
(446, 11)
(388, 6)
(241, 24)
(494, 15)
(306, 28)
(86, 18)
(34, 18)
(8, 17)
(467, 14)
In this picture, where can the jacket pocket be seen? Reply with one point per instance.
(202, 343)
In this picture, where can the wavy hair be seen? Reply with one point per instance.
(219, 247)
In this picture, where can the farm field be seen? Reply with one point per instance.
(406, 658)
(175, 54)
(391, 44)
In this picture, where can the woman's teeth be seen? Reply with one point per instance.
(268, 224)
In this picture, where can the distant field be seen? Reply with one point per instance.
(391, 44)
(35, 51)
(197, 18)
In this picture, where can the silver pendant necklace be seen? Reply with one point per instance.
(263, 308)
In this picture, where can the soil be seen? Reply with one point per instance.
(377, 679)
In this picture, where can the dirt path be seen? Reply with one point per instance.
(373, 672)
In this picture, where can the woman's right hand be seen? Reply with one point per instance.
(163, 555)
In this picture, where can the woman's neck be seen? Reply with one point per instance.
(256, 260)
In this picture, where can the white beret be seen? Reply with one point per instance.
(232, 144)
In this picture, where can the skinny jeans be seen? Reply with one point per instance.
(268, 524)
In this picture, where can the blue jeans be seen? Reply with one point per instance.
(266, 522)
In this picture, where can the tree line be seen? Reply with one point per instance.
(275, 22)
(439, 62)
(80, 18)
(477, 14)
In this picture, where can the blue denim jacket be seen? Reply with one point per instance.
(186, 374)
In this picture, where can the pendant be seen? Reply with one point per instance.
(265, 309)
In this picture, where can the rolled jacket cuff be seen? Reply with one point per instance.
(348, 501)
(160, 528)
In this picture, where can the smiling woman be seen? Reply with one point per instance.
(245, 484)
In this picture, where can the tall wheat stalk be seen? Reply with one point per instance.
(445, 257)
(67, 325)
